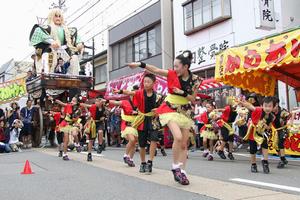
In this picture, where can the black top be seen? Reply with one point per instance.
(150, 103)
(232, 115)
(270, 118)
(187, 85)
(100, 112)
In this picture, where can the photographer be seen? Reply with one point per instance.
(13, 113)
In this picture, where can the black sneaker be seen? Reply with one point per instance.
(89, 157)
(60, 154)
(222, 155)
(230, 156)
(99, 150)
(265, 165)
(148, 168)
(254, 168)
(130, 163)
(184, 180)
(163, 152)
(177, 174)
(103, 146)
(142, 168)
(284, 160)
(281, 164)
(125, 159)
(78, 149)
(65, 157)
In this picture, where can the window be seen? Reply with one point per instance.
(151, 43)
(129, 51)
(140, 47)
(100, 74)
(123, 54)
(188, 16)
(199, 14)
(115, 57)
(206, 6)
(216, 8)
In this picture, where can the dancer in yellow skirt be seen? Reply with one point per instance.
(71, 125)
(209, 131)
(176, 110)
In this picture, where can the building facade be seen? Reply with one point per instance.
(208, 26)
(100, 72)
(146, 36)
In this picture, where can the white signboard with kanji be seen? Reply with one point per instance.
(205, 54)
(265, 14)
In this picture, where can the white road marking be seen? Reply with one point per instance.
(283, 187)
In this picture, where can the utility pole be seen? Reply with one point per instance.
(93, 63)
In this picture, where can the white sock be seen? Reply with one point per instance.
(125, 155)
(65, 154)
(176, 166)
(205, 151)
(183, 171)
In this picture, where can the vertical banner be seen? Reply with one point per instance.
(12, 90)
(265, 14)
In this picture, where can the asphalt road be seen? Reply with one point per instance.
(108, 178)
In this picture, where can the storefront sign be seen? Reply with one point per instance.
(291, 145)
(265, 14)
(248, 66)
(12, 90)
(205, 54)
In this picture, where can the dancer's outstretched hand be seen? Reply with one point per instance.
(134, 65)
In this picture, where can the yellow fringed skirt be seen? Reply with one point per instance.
(180, 119)
(209, 135)
(129, 130)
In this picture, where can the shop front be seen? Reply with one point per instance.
(257, 66)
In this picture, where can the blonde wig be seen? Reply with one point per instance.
(55, 27)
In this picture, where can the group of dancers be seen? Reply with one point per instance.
(146, 113)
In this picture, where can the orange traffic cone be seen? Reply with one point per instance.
(27, 168)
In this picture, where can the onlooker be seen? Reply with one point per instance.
(61, 67)
(116, 125)
(2, 115)
(30, 76)
(13, 113)
(4, 146)
(26, 117)
(14, 142)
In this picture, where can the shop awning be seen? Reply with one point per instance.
(210, 84)
(256, 66)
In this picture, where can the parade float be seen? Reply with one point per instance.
(53, 42)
